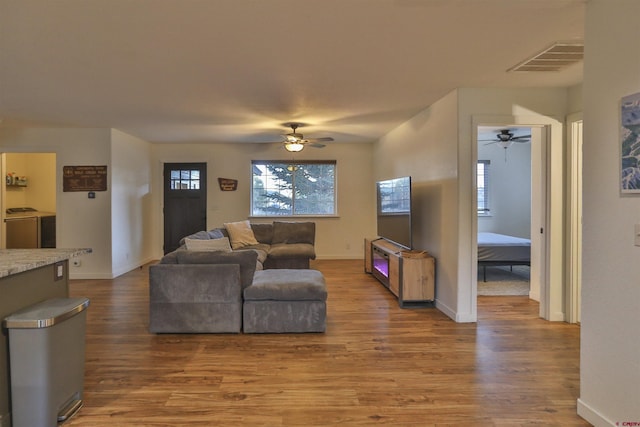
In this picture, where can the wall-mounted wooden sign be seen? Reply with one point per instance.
(228, 184)
(84, 178)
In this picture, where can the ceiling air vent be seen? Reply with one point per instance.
(554, 58)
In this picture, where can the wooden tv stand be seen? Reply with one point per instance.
(409, 275)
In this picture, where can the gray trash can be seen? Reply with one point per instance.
(46, 360)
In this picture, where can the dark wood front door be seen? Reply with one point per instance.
(185, 201)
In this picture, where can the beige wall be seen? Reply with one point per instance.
(123, 225)
(437, 148)
(130, 202)
(526, 107)
(81, 222)
(425, 148)
(339, 237)
(610, 338)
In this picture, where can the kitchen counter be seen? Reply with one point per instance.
(14, 261)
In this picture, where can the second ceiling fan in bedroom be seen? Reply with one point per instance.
(505, 138)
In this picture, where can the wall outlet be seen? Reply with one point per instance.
(76, 263)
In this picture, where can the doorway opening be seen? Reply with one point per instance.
(504, 196)
(28, 200)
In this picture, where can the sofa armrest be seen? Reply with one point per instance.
(195, 298)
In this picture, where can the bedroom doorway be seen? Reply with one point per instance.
(505, 194)
(548, 210)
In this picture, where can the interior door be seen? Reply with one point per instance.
(185, 201)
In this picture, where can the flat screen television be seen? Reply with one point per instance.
(394, 210)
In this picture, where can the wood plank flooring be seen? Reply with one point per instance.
(377, 364)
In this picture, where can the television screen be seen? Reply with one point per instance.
(394, 210)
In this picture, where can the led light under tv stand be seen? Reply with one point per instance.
(409, 275)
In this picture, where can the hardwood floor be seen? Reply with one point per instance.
(376, 364)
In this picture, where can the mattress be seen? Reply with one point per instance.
(493, 247)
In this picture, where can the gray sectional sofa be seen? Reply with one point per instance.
(281, 244)
(193, 291)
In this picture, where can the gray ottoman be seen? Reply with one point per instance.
(284, 301)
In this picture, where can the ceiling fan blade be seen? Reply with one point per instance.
(324, 139)
(492, 142)
(487, 140)
(515, 138)
(316, 145)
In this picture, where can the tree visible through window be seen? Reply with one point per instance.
(483, 187)
(289, 189)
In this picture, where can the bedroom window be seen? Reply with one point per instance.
(483, 187)
(303, 188)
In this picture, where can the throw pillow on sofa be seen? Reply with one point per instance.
(222, 244)
(201, 235)
(240, 234)
(215, 233)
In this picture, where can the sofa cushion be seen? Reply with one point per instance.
(293, 232)
(263, 232)
(201, 235)
(240, 234)
(216, 233)
(261, 250)
(293, 250)
(246, 259)
(287, 285)
(208, 245)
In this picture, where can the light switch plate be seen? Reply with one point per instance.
(636, 232)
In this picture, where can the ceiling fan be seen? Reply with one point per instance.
(505, 138)
(295, 142)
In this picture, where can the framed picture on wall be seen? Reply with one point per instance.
(630, 144)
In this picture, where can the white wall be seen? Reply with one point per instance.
(425, 147)
(437, 149)
(341, 237)
(130, 179)
(123, 225)
(610, 339)
(524, 107)
(81, 222)
(509, 189)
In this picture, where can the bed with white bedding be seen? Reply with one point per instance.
(501, 249)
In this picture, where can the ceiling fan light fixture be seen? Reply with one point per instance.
(293, 147)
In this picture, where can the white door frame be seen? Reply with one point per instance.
(574, 217)
(552, 260)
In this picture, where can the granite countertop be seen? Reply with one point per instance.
(14, 261)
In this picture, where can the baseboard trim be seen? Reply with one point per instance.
(592, 416)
